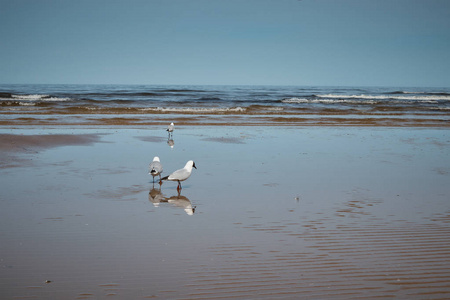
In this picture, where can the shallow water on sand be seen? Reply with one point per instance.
(269, 213)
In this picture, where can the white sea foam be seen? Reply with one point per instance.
(37, 97)
(366, 99)
(434, 98)
(326, 101)
(296, 100)
(273, 108)
(30, 97)
(193, 110)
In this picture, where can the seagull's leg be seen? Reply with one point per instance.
(160, 181)
(179, 187)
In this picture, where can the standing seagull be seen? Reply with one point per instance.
(155, 168)
(181, 174)
(170, 128)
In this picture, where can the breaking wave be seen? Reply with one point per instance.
(193, 110)
(296, 100)
(388, 97)
(31, 97)
(429, 93)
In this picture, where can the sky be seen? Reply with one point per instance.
(403, 43)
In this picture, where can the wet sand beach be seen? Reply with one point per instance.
(271, 212)
(232, 120)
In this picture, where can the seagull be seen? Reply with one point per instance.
(181, 174)
(170, 128)
(155, 168)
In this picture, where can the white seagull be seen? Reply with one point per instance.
(170, 128)
(155, 168)
(181, 174)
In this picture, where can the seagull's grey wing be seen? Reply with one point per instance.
(180, 175)
(156, 166)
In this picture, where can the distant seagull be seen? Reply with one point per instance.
(181, 174)
(155, 168)
(170, 128)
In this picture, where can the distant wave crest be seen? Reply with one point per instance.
(194, 110)
(295, 100)
(410, 92)
(36, 97)
(387, 97)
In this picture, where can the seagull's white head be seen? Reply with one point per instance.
(156, 158)
(189, 165)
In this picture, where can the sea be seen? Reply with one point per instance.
(68, 104)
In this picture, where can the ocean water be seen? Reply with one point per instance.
(141, 104)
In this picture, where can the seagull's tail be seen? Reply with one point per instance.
(153, 171)
(165, 178)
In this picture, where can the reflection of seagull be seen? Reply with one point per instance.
(155, 168)
(170, 128)
(155, 196)
(170, 142)
(183, 202)
(181, 174)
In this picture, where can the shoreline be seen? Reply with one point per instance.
(207, 120)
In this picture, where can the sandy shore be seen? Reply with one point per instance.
(13, 144)
(307, 119)
(271, 212)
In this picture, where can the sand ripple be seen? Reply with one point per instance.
(353, 261)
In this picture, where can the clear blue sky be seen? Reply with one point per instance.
(279, 42)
